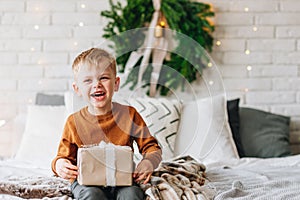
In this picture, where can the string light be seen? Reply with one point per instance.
(209, 64)
(82, 5)
(210, 82)
(75, 43)
(249, 68)
(30, 101)
(247, 51)
(32, 49)
(246, 90)
(2, 122)
(254, 28)
(246, 9)
(218, 43)
(36, 8)
(36, 27)
(40, 82)
(80, 24)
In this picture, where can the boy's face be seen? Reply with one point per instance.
(96, 85)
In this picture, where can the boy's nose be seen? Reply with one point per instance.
(98, 84)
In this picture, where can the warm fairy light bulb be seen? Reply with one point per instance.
(30, 101)
(255, 28)
(249, 68)
(81, 24)
(82, 5)
(36, 27)
(2, 122)
(247, 51)
(246, 9)
(246, 90)
(210, 82)
(162, 23)
(209, 64)
(75, 43)
(218, 43)
(40, 82)
(36, 8)
(32, 49)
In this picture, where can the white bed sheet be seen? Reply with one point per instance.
(255, 178)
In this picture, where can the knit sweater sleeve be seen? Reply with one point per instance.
(67, 147)
(147, 144)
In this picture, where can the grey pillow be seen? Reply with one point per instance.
(49, 99)
(264, 134)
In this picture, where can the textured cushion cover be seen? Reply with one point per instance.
(234, 122)
(43, 130)
(264, 134)
(49, 99)
(204, 131)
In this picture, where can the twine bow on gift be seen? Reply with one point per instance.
(156, 43)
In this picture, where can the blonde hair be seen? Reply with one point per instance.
(94, 57)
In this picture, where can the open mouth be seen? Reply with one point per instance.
(98, 94)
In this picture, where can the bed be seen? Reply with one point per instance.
(204, 154)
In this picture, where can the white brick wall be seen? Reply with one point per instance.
(39, 40)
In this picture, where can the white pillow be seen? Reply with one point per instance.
(160, 114)
(43, 130)
(204, 131)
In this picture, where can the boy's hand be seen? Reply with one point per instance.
(143, 171)
(65, 169)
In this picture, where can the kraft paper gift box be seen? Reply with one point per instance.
(105, 165)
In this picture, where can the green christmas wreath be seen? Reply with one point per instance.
(184, 16)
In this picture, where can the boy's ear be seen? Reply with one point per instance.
(117, 84)
(76, 89)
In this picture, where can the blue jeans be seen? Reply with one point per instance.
(82, 192)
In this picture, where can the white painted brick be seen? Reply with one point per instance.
(271, 45)
(75, 18)
(43, 58)
(290, 5)
(242, 58)
(217, 57)
(258, 6)
(243, 32)
(250, 84)
(8, 84)
(273, 71)
(287, 84)
(286, 58)
(288, 31)
(48, 32)
(234, 19)
(287, 110)
(277, 19)
(59, 71)
(8, 58)
(21, 72)
(298, 45)
(298, 97)
(16, 97)
(42, 84)
(230, 45)
(50, 6)
(88, 32)
(20, 45)
(12, 6)
(264, 97)
(93, 6)
(218, 6)
(67, 45)
(25, 18)
(232, 71)
(7, 31)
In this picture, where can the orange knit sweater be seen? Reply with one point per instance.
(121, 126)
